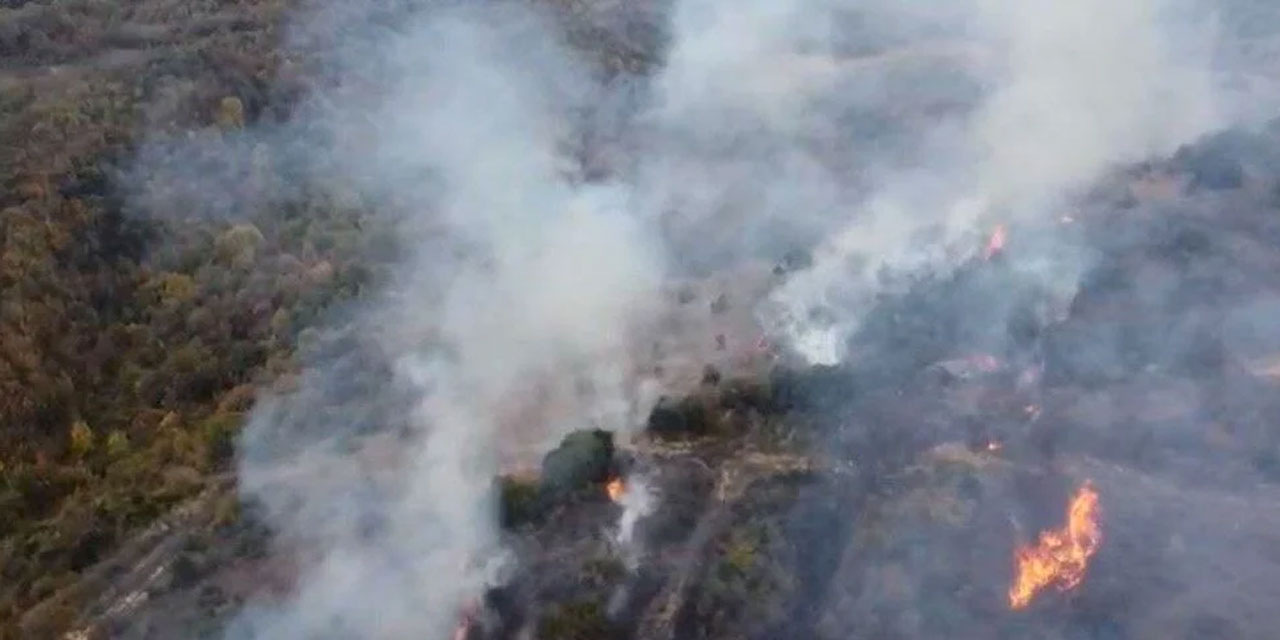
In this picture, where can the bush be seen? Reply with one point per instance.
(518, 501)
(230, 113)
(684, 417)
(583, 620)
(583, 458)
(81, 439)
(602, 572)
(219, 431)
(238, 246)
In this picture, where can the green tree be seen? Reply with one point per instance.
(81, 439)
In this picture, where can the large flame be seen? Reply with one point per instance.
(1062, 556)
(615, 488)
(995, 244)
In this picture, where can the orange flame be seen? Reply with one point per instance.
(1062, 556)
(994, 446)
(615, 488)
(995, 244)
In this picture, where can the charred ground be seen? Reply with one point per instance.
(865, 501)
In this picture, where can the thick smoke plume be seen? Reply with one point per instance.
(1070, 91)
(531, 293)
(509, 325)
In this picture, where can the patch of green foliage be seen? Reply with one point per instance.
(602, 572)
(720, 407)
(582, 461)
(580, 620)
(519, 501)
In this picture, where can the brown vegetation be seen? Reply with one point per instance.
(131, 342)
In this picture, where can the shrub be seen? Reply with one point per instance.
(230, 113)
(684, 417)
(583, 458)
(117, 444)
(583, 620)
(239, 244)
(602, 572)
(219, 431)
(81, 439)
(518, 501)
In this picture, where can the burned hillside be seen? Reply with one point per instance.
(885, 497)
(695, 319)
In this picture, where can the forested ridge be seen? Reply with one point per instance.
(132, 339)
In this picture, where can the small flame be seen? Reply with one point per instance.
(994, 446)
(1061, 556)
(463, 630)
(995, 244)
(615, 488)
(465, 621)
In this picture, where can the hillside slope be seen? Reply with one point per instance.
(165, 262)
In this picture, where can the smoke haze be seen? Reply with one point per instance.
(517, 273)
(880, 137)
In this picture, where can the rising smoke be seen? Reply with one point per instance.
(879, 136)
(1071, 90)
(510, 323)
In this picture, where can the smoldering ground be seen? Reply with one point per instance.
(543, 204)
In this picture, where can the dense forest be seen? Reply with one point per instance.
(133, 338)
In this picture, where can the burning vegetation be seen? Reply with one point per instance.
(615, 488)
(1060, 557)
(802, 501)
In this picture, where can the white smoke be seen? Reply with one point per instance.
(518, 317)
(637, 502)
(1075, 89)
(521, 276)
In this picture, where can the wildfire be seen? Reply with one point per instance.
(463, 630)
(995, 244)
(466, 620)
(994, 446)
(1061, 556)
(615, 488)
